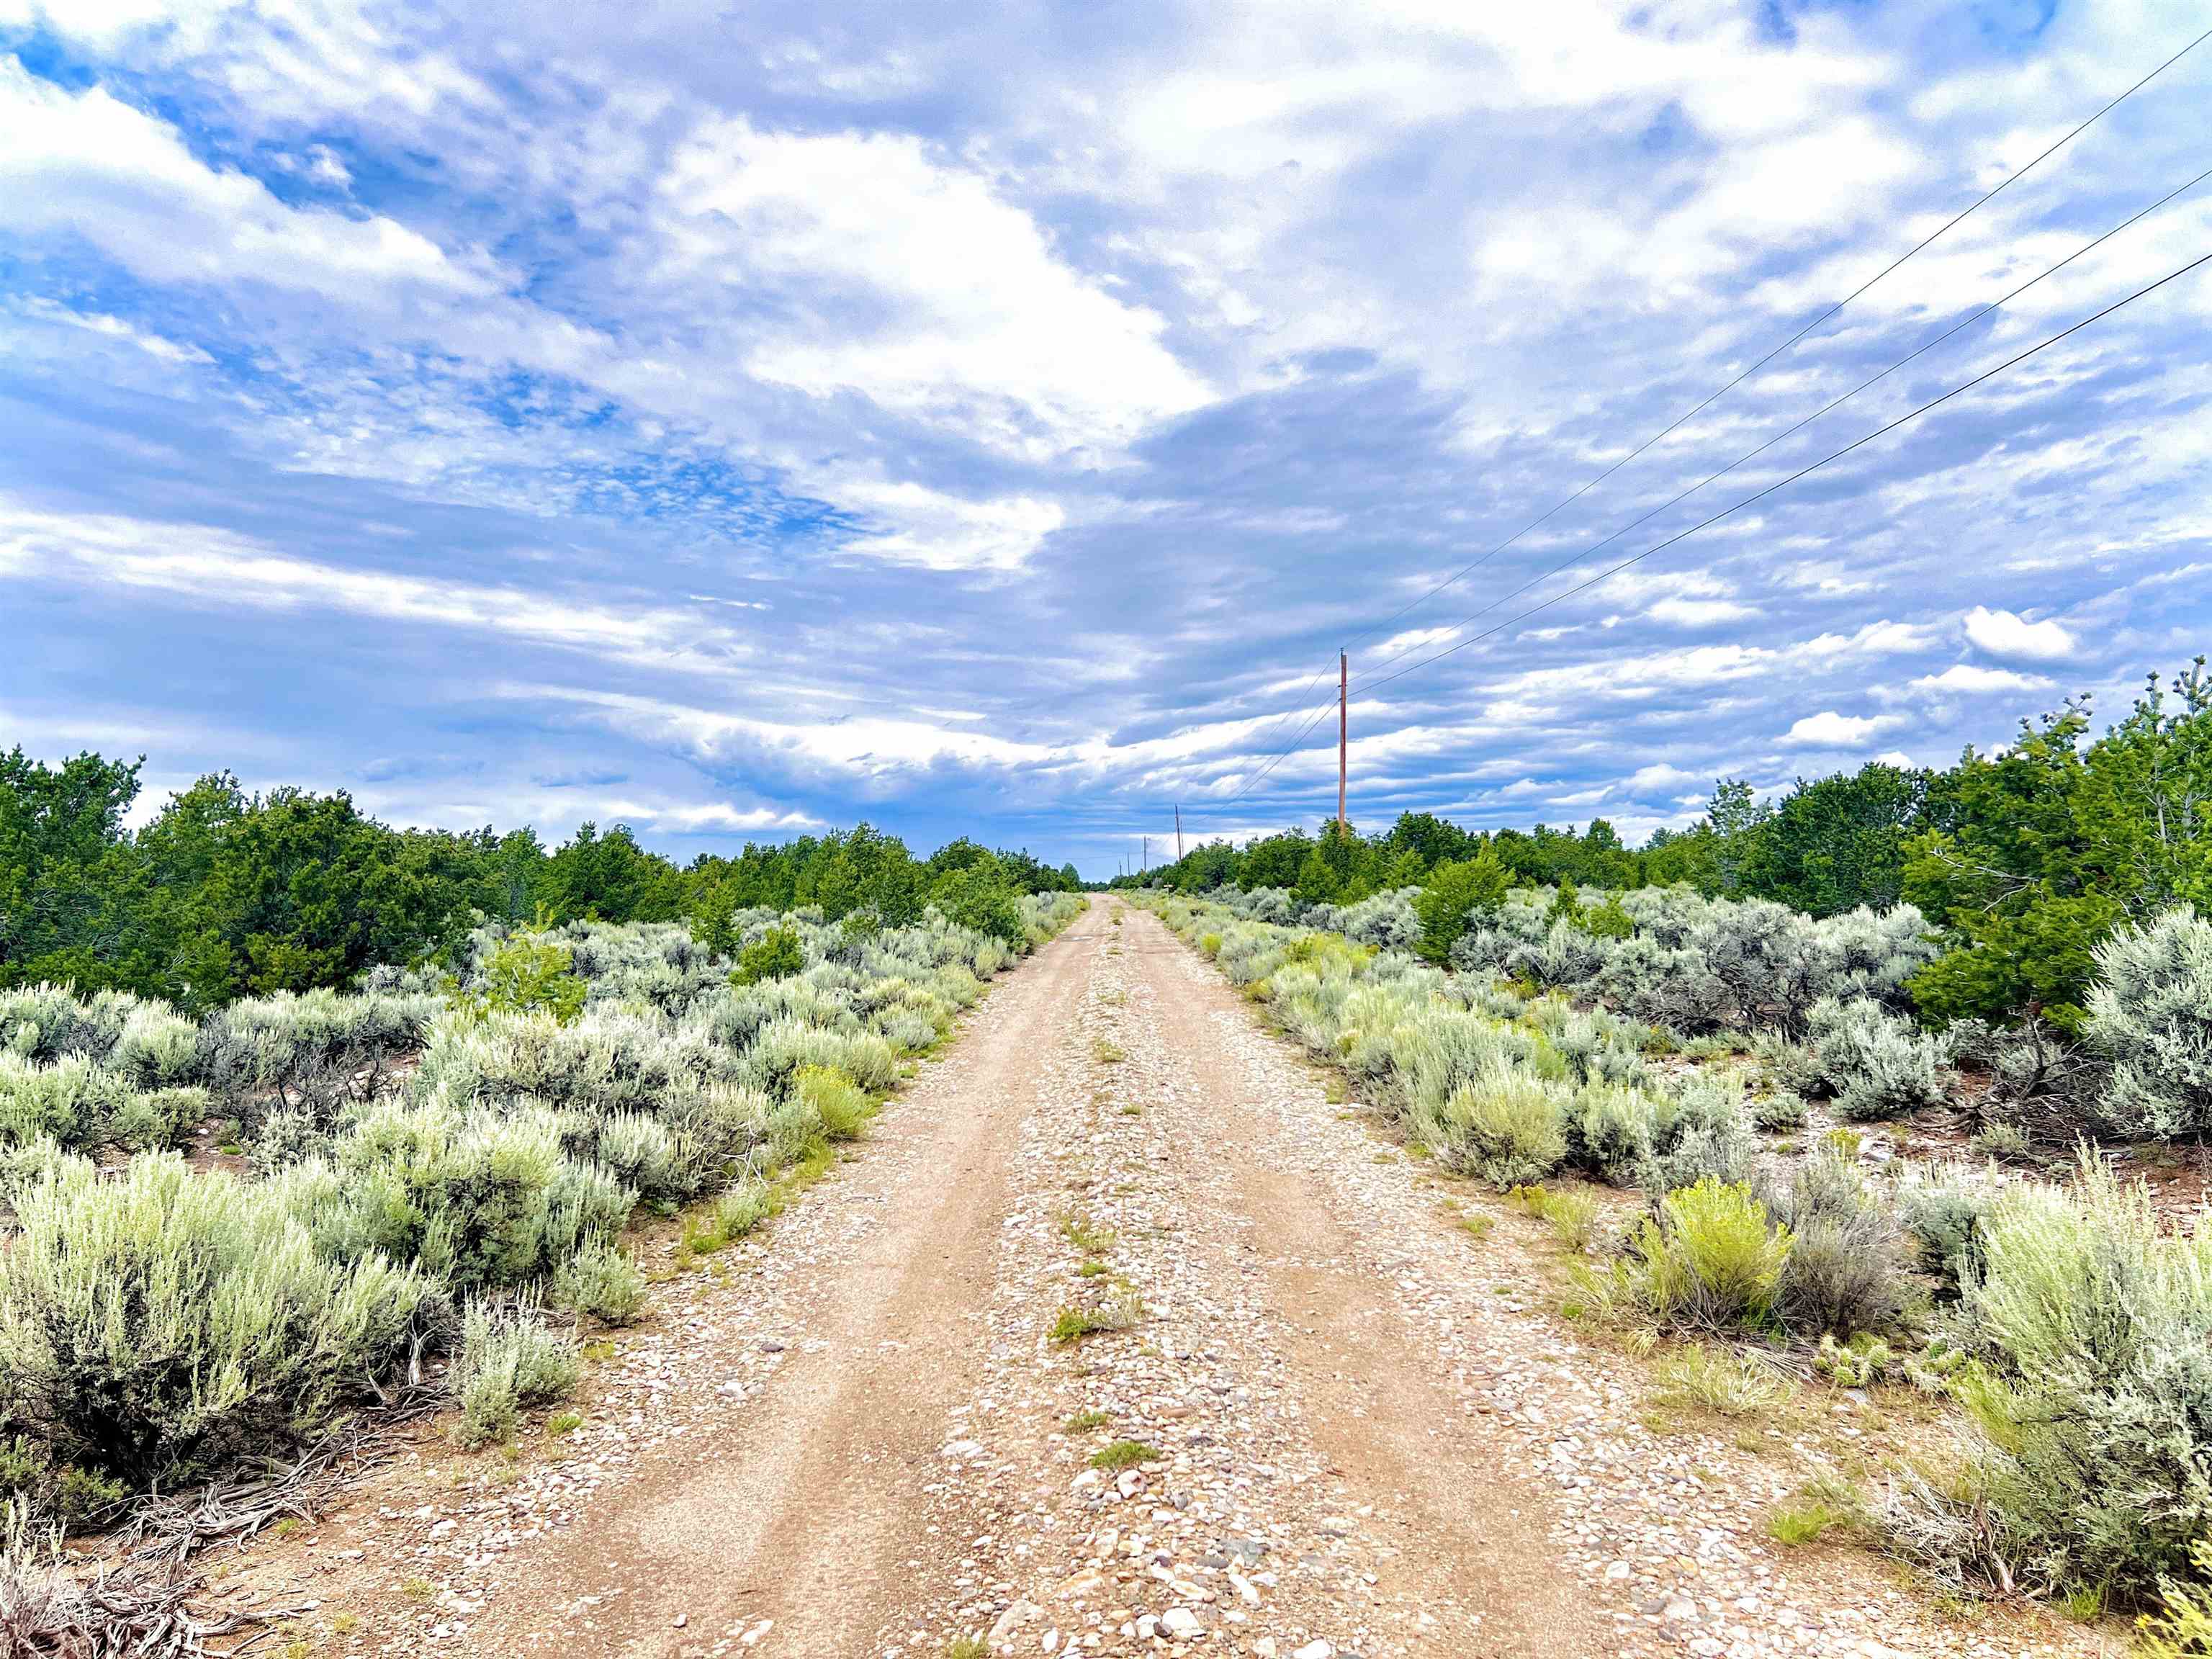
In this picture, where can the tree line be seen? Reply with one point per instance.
(225, 894)
(2025, 857)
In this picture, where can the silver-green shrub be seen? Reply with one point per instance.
(1845, 1273)
(1942, 1209)
(2092, 1330)
(508, 1357)
(157, 1048)
(1506, 1127)
(477, 1199)
(1563, 956)
(1385, 920)
(2150, 1013)
(171, 1322)
(1698, 1133)
(82, 1103)
(1609, 1132)
(1777, 1113)
(783, 1047)
(601, 1280)
(277, 1043)
(1876, 1064)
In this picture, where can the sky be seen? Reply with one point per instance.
(739, 421)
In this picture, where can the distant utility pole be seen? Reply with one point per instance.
(1147, 865)
(1343, 681)
(1178, 834)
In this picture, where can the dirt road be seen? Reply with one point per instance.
(1319, 1418)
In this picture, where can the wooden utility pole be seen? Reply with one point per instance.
(1343, 681)
(1178, 834)
(1147, 856)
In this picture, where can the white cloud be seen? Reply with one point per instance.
(939, 532)
(1830, 729)
(1881, 639)
(105, 24)
(107, 327)
(88, 165)
(704, 814)
(911, 282)
(859, 746)
(215, 567)
(1699, 613)
(1659, 778)
(1972, 680)
(2005, 634)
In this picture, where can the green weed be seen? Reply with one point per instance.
(1123, 1455)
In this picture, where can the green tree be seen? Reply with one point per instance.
(2146, 797)
(526, 974)
(1317, 881)
(712, 912)
(2045, 847)
(1837, 842)
(72, 904)
(978, 895)
(1406, 870)
(1457, 891)
(610, 878)
(1685, 856)
(867, 870)
(2016, 880)
(1567, 904)
(513, 867)
(1276, 861)
(1610, 920)
(776, 954)
(303, 890)
(1432, 839)
(1736, 821)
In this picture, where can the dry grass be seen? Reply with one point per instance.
(1717, 1379)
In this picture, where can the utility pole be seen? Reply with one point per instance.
(1146, 867)
(1178, 834)
(1343, 681)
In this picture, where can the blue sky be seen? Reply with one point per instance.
(734, 421)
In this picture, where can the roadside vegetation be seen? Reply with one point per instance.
(427, 1175)
(1744, 1027)
(223, 895)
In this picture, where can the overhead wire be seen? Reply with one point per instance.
(1804, 471)
(1833, 404)
(1315, 716)
(1827, 315)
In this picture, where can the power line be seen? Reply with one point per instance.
(1320, 710)
(1275, 760)
(1707, 402)
(1858, 443)
(1315, 716)
(1836, 403)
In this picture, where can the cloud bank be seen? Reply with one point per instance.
(996, 422)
